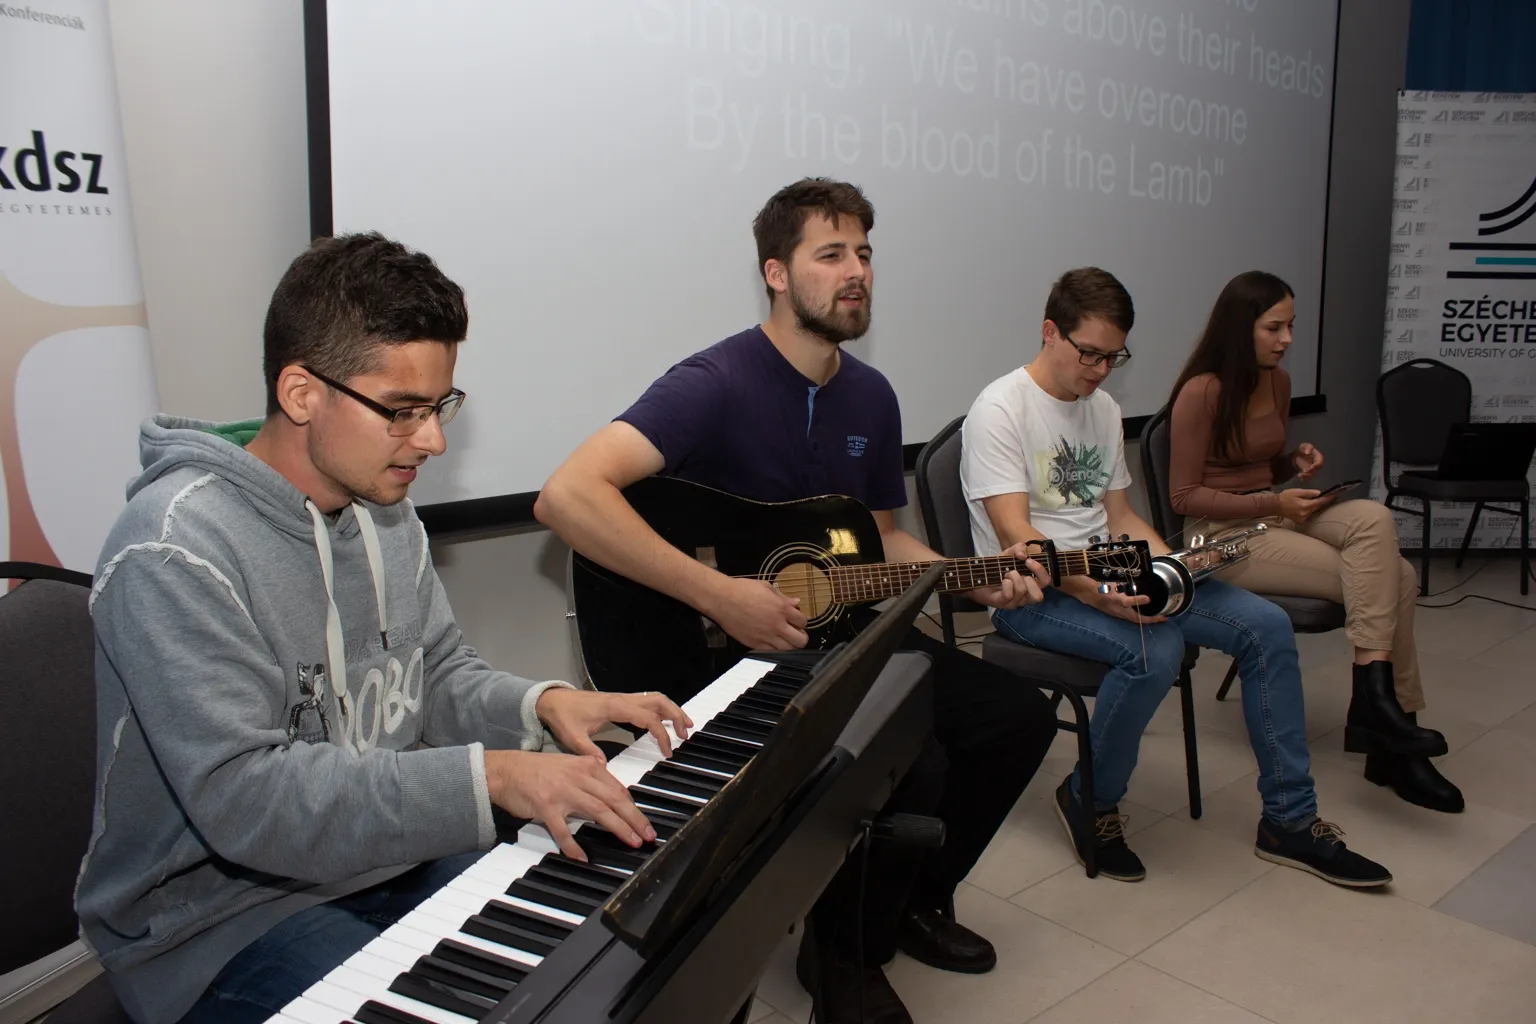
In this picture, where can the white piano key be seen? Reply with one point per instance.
(390, 953)
(424, 942)
(447, 917)
(307, 1011)
(485, 888)
(539, 908)
(335, 998)
(371, 964)
(460, 902)
(343, 984)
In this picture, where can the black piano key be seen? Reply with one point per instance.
(772, 684)
(597, 878)
(557, 879)
(483, 926)
(479, 960)
(761, 702)
(672, 784)
(724, 747)
(728, 731)
(466, 978)
(373, 1012)
(442, 996)
(699, 759)
(748, 713)
(661, 816)
(593, 871)
(683, 773)
(607, 856)
(748, 725)
(545, 895)
(665, 830)
(601, 838)
(644, 799)
(532, 920)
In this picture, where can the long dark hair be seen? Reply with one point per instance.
(1226, 350)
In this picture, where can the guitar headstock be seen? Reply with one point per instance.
(1118, 562)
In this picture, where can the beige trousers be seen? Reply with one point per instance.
(1346, 553)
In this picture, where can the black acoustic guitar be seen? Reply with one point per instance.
(826, 551)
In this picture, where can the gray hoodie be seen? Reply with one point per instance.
(286, 713)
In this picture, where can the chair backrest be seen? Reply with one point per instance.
(1156, 455)
(47, 757)
(1418, 402)
(946, 518)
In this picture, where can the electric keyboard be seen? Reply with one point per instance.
(515, 937)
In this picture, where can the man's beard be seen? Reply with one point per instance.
(832, 324)
(371, 490)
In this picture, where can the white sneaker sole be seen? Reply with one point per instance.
(1309, 869)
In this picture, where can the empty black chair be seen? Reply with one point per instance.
(47, 791)
(1418, 403)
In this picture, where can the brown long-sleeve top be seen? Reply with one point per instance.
(1205, 486)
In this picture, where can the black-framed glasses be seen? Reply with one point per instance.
(405, 421)
(1093, 357)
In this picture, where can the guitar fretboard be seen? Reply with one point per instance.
(857, 584)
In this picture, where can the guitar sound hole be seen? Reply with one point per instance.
(810, 584)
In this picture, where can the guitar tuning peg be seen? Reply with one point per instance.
(1105, 588)
(1125, 538)
(1094, 539)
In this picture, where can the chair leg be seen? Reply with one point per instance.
(1226, 684)
(1191, 754)
(1085, 764)
(1429, 518)
(1525, 547)
(1466, 540)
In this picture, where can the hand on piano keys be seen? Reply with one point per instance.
(573, 716)
(466, 947)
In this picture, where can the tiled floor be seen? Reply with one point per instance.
(1216, 935)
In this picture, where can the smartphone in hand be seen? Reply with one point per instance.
(1347, 485)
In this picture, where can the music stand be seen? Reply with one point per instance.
(659, 900)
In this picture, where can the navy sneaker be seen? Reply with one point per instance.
(1114, 858)
(1319, 849)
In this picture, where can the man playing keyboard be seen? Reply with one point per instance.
(780, 412)
(296, 745)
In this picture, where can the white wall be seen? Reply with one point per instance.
(214, 118)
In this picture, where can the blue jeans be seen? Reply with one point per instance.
(1254, 631)
(300, 950)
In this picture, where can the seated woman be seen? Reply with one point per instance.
(1231, 408)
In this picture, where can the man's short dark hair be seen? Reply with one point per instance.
(780, 224)
(1089, 292)
(347, 296)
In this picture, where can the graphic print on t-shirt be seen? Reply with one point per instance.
(1072, 476)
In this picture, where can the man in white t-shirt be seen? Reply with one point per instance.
(1044, 458)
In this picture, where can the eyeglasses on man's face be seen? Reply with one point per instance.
(1093, 357)
(404, 421)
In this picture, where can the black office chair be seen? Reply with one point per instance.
(47, 791)
(1418, 402)
(1308, 614)
(947, 521)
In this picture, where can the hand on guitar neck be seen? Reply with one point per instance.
(1016, 589)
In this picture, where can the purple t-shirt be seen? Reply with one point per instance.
(739, 418)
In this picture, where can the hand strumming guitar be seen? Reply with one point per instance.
(757, 615)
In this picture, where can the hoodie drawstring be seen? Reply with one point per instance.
(375, 565)
(335, 643)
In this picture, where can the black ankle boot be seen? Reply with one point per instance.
(1415, 780)
(1377, 723)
